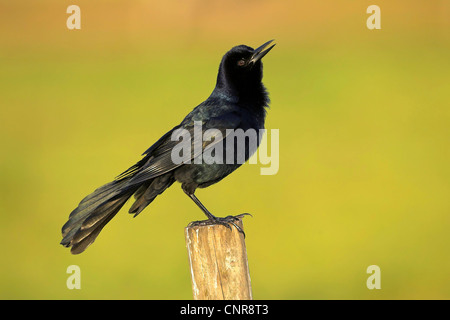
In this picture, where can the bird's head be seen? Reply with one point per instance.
(241, 67)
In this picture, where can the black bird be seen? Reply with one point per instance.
(238, 101)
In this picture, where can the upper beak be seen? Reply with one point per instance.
(259, 52)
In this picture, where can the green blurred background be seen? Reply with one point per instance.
(364, 124)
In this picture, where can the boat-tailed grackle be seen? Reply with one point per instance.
(238, 101)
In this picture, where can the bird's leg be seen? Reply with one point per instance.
(216, 220)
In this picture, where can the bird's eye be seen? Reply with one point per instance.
(241, 63)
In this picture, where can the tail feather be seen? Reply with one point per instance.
(90, 203)
(101, 213)
(92, 214)
(89, 232)
(80, 245)
(97, 209)
(92, 200)
(149, 191)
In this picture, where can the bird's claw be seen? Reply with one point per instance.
(227, 222)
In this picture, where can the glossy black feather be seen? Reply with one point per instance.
(238, 101)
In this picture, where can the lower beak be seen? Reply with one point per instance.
(259, 52)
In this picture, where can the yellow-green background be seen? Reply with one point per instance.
(364, 123)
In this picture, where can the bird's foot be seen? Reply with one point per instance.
(226, 221)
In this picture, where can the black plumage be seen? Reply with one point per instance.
(238, 101)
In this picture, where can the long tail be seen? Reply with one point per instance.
(98, 208)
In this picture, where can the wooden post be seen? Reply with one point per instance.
(218, 263)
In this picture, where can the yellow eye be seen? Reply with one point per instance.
(241, 63)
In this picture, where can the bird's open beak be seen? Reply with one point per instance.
(259, 52)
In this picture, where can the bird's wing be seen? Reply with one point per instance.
(148, 155)
(158, 158)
